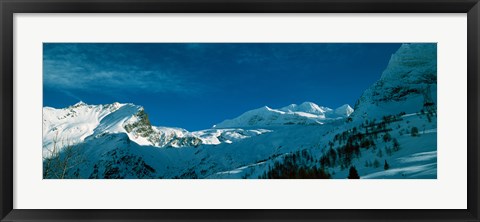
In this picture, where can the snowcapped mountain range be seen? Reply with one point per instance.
(307, 113)
(393, 122)
(81, 122)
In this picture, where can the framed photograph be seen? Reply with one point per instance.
(239, 111)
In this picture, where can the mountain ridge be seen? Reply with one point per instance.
(307, 113)
(82, 121)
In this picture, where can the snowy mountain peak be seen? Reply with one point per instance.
(307, 107)
(313, 108)
(416, 60)
(76, 123)
(307, 113)
(408, 84)
(80, 103)
(82, 122)
(289, 107)
(344, 110)
(266, 108)
(117, 105)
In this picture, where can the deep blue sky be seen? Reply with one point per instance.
(197, 85)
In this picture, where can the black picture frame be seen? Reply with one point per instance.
(10, 7)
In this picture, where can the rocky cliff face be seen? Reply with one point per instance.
(408, 84)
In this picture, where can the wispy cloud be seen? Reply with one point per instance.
(100, 68)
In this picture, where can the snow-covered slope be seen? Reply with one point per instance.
(218, 136)
(391, 134)
(73, 124)
(307, 113)
(80, 122)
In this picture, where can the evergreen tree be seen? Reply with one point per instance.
(353, 174)
(387, 137)
(414, 131)
(396, 144)
(386, 166)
